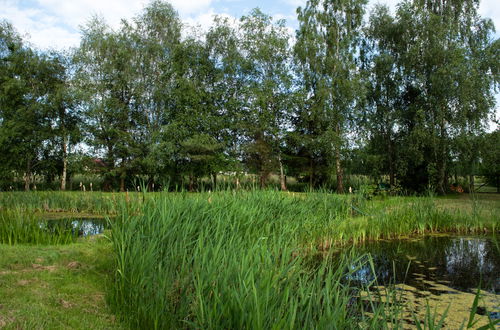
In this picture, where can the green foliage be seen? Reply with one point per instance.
(327, 40)
(490, 156)
(237, 260)
(30, 88)
(431, 79)
(222, 261)
(406, 96)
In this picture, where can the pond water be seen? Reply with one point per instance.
(462, 263)
(438, 271)
(80, 227)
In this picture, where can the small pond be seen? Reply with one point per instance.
(437, 271)
(462, 263)
(78, 226)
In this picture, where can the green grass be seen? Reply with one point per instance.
(250, 259)
(56, 287)
(73, 202)
(255, 259)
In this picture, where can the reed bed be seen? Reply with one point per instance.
(72, 202)
(18, 227)
(257, 259)
(240, 259)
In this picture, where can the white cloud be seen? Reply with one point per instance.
(190, 7)
(76, 12)
(295, 3)
(55, 23)
(491, 9)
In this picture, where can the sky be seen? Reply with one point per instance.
(55, 24)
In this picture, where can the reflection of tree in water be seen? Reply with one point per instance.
(464, 262)
(472, 259)
(77, 227)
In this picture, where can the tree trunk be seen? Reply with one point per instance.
(282, 175)
(340, 172)
(65, 164)
(391, 163)
(311, 174)
(27, 176)
(441, 178)
(191, 183)
(471, 183)
(338, 164)
(214, 178)
(238, 182)
(442, 158)
(262, 180)
(122, 182)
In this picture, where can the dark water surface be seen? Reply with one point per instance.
(442, 273)
(461, 263)
(79, 227)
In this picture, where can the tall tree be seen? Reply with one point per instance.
(326, 50)
(106, 74)
(445, 56)
(128, 76)
(64, 112)
(227, 90)
(384, 93)
(268, 87)
(156, 34)
(25, 88)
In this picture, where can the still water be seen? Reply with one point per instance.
(462, 263)
(440, 272)
(79, 227)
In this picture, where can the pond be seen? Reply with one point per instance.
(439, 272)
(78, 226)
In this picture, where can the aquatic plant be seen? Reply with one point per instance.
(18, 227)
(255, 259)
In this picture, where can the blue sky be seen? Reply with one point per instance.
(55, 23)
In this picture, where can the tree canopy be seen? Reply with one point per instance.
(404, 97)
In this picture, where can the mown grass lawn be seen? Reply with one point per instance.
(56, 287)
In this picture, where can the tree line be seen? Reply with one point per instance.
(404, 95)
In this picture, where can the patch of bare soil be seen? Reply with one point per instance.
(74, 265)
(50, 268)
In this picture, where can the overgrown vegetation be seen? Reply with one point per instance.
(236, 260)
(18, 227)
(259, 259)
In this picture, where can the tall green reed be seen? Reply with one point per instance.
(18, 227)
(59, 201)
(247, 259)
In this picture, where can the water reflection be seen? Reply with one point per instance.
(78, 227)
(461, 263)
